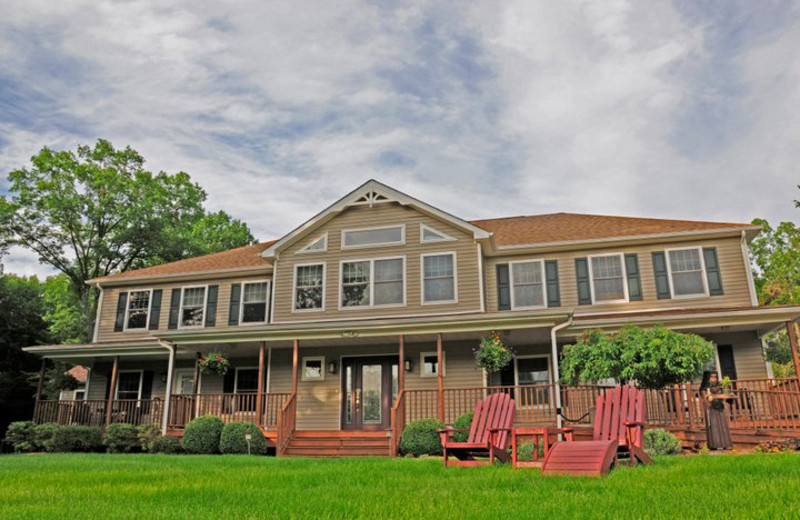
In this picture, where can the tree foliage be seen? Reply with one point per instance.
(652, 357)
(776, 255)
(62, 311)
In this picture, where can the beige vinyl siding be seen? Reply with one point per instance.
(748, 354)
(729, 254)
(378, 215)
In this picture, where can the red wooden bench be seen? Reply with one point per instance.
(489, 434)
(618, 432)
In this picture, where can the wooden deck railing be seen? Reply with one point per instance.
(398, 422)
(286, 423)
(84, 413)
(228, 407)
(137, 411)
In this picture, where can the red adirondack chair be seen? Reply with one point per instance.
(489, 434)
(618, 432)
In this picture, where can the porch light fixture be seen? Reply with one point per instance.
(409, 365)
(164, 377)
(332, 367)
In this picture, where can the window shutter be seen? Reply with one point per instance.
(661, 274)
(228, 382)
(233, 309)
(174, 308)
(155, 309)
(713, 273)
(553, 290)
(211, 305)
(582, 279)
(634, 280)
(122, 305)
(147, 384)
(503, 288)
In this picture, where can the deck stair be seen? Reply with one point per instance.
(339, 444)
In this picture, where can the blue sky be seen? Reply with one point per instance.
(687, 109)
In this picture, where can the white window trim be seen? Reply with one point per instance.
(128, 310)
(372, 304)
(75, 394)
(514, 306)
(549, 378)
(205, 307)
(305, 250)
(141, 382)
(377, 244)
(324, 283)
(445, 236)
(422, 278)
(266, 302)
(304, 377)
(442, 368)
(176, 379)
(624, 279)
(703, 275)
(236, 379)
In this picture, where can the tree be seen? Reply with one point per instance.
(775, 254)
(62, 310)
(653, 357)
(97, 211)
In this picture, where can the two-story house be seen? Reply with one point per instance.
(366, 316)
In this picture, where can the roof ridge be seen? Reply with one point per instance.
(597, 215)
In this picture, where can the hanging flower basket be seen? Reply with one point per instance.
(492, 354)
(214, 364)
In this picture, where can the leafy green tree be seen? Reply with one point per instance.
(652, 357)
(776, 258)
(97, 211)
(62, 310)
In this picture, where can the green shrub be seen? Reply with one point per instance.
(525, 451)
(148, 433)
(463, 423)
(166, 444)
(421, 438)
(232, 440)
(121, 438)
(43, 436)
(21, 435)
(76, 439)
(202, 435)
(661, 442)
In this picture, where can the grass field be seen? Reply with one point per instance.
(160, 486)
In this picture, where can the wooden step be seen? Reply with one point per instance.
(335, 443)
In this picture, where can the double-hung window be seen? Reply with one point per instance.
(527, 284)
(129, 384)
(687, 273)
(373, 282)
(138, 310)
(309, 287)
(608, 278)
(254, 302)
(439, 278)
(193, 306)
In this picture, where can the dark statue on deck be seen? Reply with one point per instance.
(718, 431)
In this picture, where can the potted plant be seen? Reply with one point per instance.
(492, 354)
(214, 364)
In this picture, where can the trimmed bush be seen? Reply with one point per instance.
(421, 438)
(661, 442)
(21, 435)
(148, 433)
(201, 435)
(121, 438)
(76, 439)
(463, 423)
(166, 444)
(525, 451)
(232, 441)
(43, 435)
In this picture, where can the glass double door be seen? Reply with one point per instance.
(369, 389)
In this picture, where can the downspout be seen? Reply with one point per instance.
(96, 332)
(556, 374)
(168, 392)
(751, 286)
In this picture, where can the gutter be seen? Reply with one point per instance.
(556, 373)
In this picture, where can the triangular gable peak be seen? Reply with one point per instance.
(370, 194)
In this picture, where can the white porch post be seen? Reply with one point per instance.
(556, 371)
(168, 392)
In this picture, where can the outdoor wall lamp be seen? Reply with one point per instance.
(409, 365)
(332, 367)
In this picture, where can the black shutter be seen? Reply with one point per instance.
(228, 382)
(211, 306)
(553, 290)
(713, 273)
(634, 280)
(155, 309)
(662, 275)
(174, 308)
(122, 305)
(582, 279)
(147, 384)
(503, 288)
(233, 308)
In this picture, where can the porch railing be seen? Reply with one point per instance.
(398, 421)
(228, 407)
(286, 423)
(93, 412)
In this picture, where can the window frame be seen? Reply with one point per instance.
(324, 284)
(236, 381)
(377, 244)
(306, 251)
(703, 274)
(442, 369)
(303, 364)
(423, 227)
(141, 383)
(146, 327)
(549, 378)
(205, 307)
(372, 304)
(514, 306)
(266, 303)
(422, 257)
(621, 256)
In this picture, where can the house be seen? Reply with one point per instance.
(365, 316)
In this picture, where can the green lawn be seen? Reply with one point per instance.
(161, 486)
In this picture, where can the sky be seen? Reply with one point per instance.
(686, 109)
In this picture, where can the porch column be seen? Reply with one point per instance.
(111, 388)
(196, 375)
(260, 394)
(168, 392)
(39, 387)
(295, 360)
(401, 365)
(439, 376)
(791, 329)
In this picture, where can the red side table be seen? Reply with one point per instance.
(546, 433)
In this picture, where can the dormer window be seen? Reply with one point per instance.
(428, 234)
(373, 237)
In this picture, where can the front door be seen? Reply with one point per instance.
(369, 389)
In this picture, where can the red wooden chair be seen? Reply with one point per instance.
(618, 432)
(489, 434)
